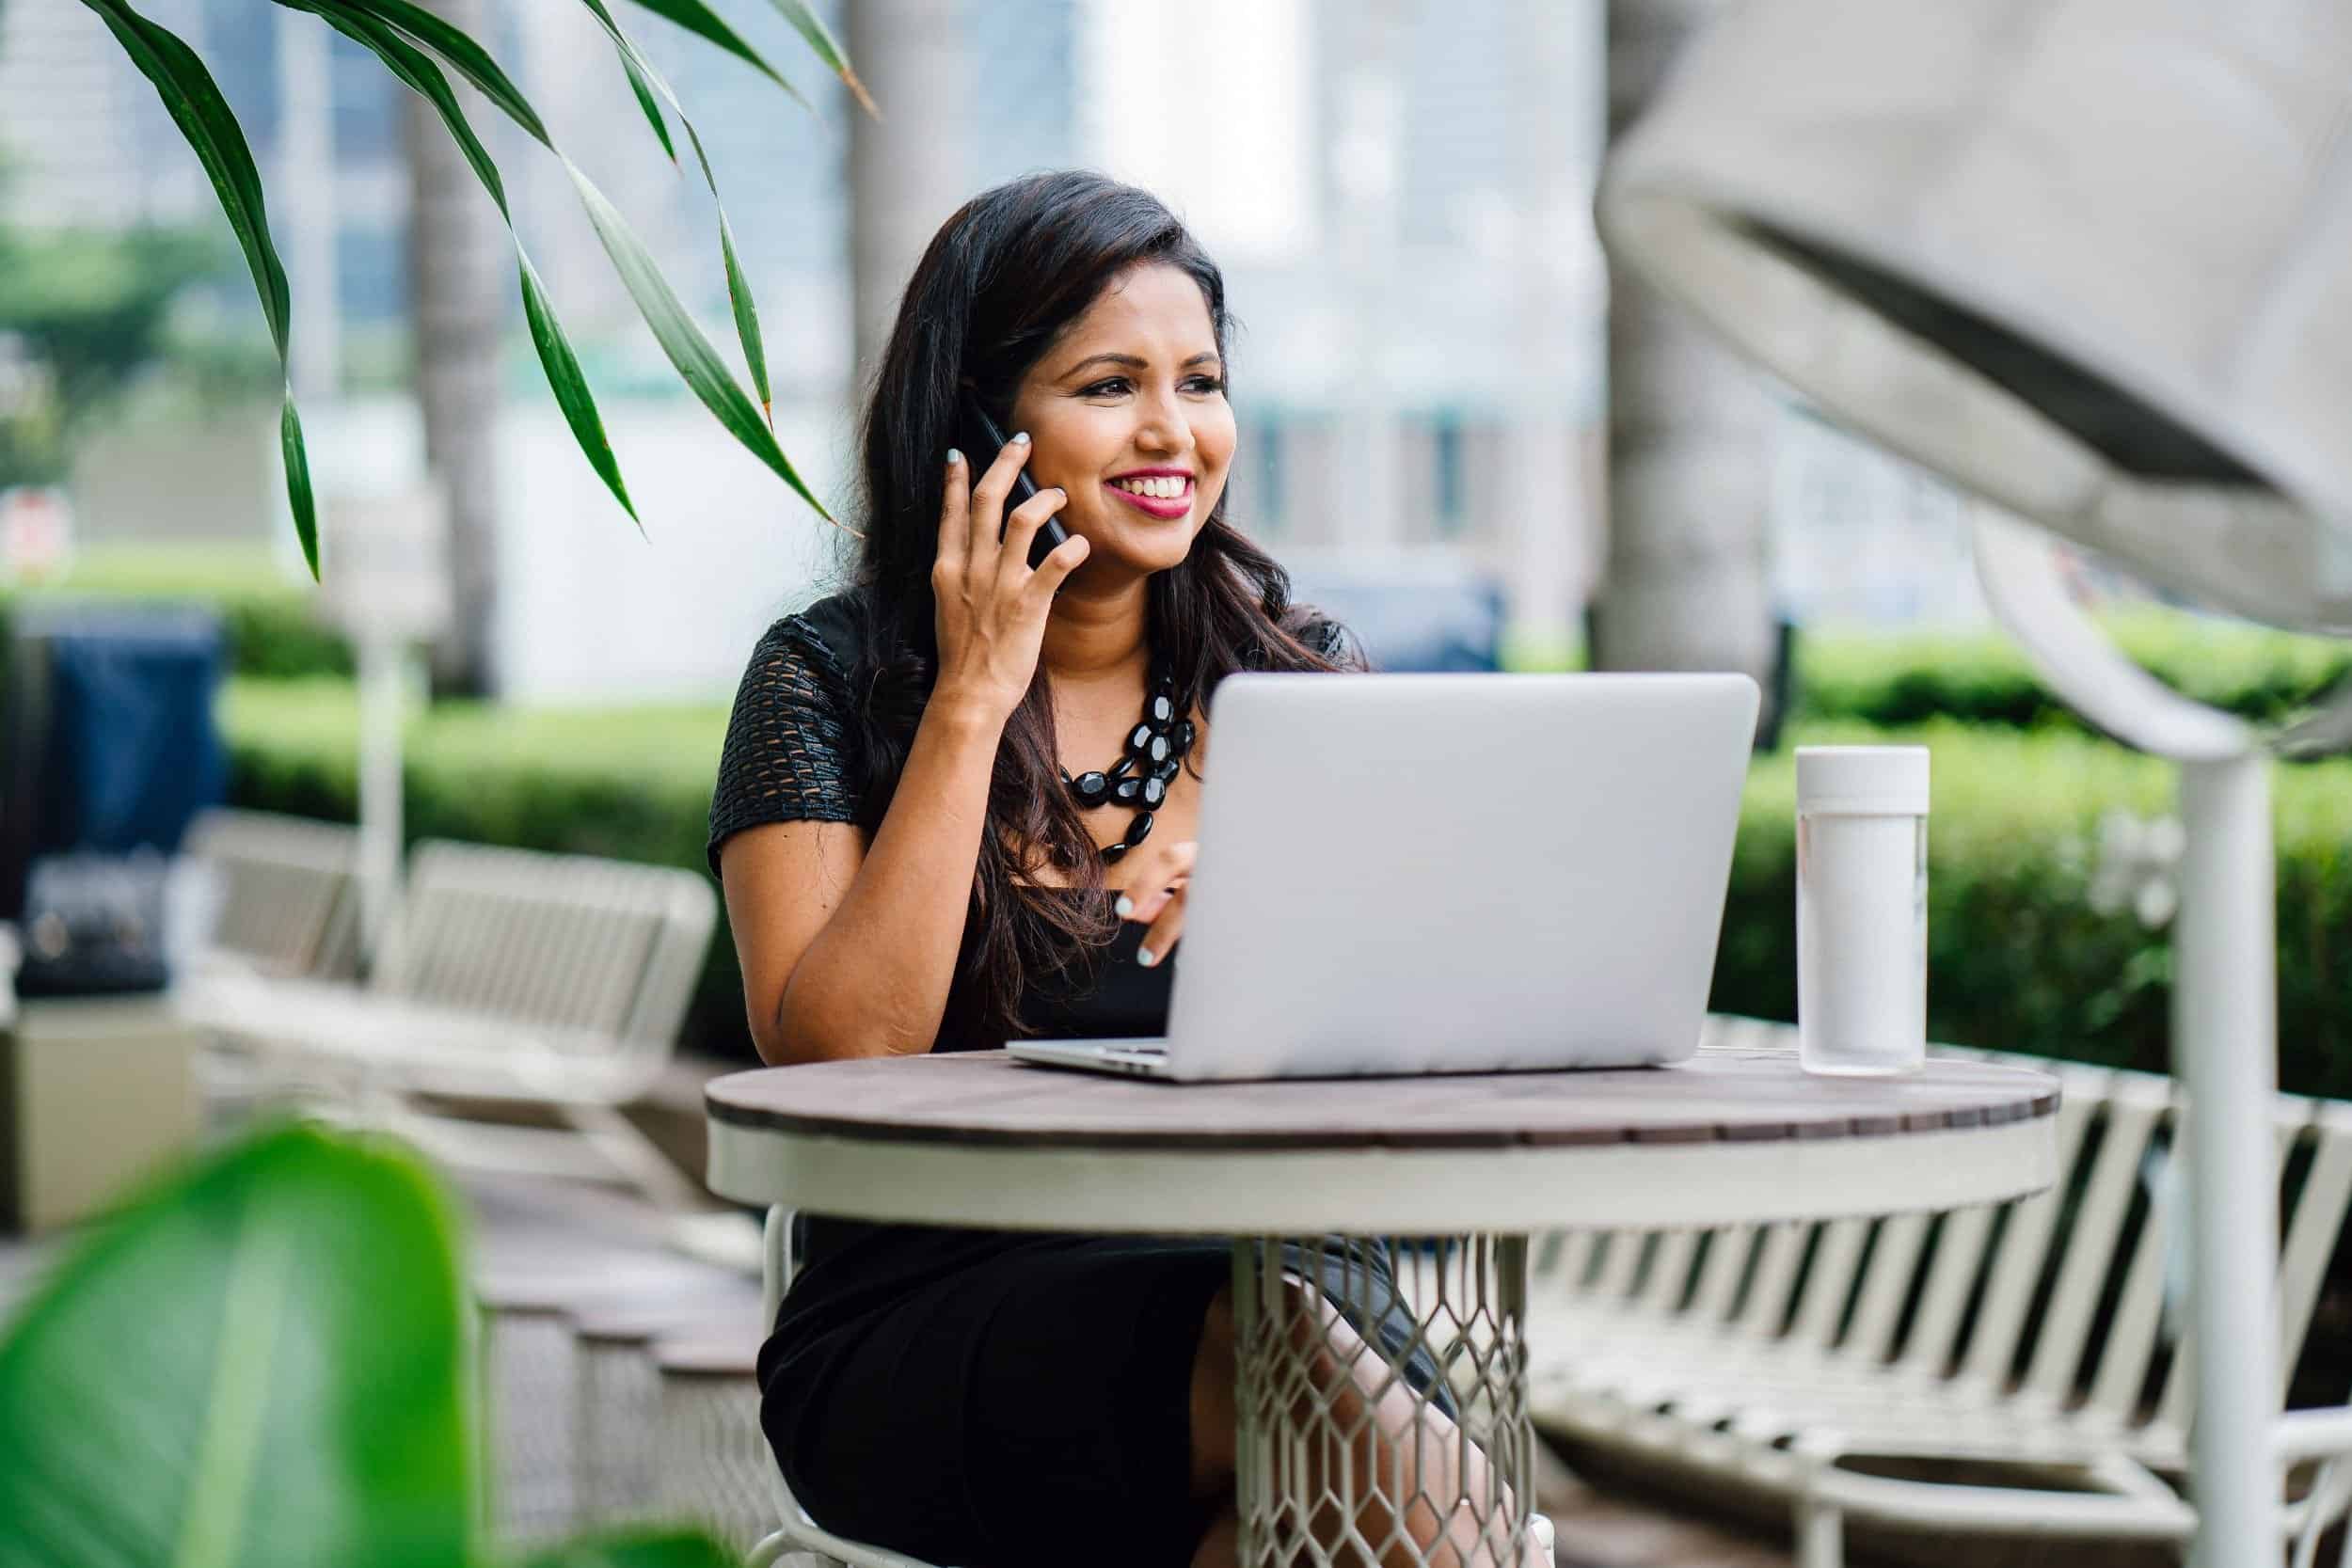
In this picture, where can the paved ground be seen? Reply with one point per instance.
(1599, 1530)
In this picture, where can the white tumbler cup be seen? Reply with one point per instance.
(1862, 908)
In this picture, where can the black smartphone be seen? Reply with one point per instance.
(982, 441)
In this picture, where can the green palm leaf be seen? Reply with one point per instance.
(681, 340)
(556, 358)
(701, 21)
(645, 81)
(195, 103)
(464, 56)
(697, 363)
(805, 23)
(406, 38)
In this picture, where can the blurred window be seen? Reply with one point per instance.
(1451, 512)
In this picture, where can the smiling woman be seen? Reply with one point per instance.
(934, 822)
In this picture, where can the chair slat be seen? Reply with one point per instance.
(1829, 1283)
(2177, 1400)
(2131, 1342)
(1576, 1260)
(1765, 1306)
(2089, 1249)
(2313, 1232)
(1893, 1265)
(1959, 1256)
(2023, 1250)
(1669, 1270)
(1617, 1265)
(1718, 1284)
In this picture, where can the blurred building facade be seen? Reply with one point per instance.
(1399, 191)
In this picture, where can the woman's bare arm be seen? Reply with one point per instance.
(850, 950)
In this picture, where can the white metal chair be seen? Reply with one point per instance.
(286, 894)
(801, 1535)
(2033, 1337)
(507, 975)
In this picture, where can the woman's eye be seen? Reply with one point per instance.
(1112, 387)
(1205, 385)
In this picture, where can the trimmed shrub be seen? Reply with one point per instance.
(1982, 677)
(2018, 957)
(268, 624)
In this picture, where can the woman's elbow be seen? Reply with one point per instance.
(788, 1036)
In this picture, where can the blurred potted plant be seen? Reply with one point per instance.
(261, 1363)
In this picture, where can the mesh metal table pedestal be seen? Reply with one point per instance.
(1312, 1416)
(1337, 1442)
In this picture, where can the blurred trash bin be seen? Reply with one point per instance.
(111, 751)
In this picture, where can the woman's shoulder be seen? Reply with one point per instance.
(823, 635)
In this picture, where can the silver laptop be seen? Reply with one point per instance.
(1414, 874)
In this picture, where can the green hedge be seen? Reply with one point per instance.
(2018, 958)
(266, 617)
(1910, 678)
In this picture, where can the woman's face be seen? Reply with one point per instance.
(1127, 414)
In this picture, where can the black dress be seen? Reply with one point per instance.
(983, 1399)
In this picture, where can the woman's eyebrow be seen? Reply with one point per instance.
(1134, 362)
(1129, 360)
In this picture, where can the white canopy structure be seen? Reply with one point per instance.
(2092, 261)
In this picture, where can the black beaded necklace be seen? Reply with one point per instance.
(1156, 750)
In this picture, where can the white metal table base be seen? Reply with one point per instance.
(1337, 1445)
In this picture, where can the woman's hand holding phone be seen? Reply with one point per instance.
(993, 607)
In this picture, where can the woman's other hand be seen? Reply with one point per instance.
(1154, 878)
(992, 607)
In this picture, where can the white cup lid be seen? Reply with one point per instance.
(1876, 780)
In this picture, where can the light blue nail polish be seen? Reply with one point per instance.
(1020, 438)
(1145, 957)
(953, 457)
(1125, 907)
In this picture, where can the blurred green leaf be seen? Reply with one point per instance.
(259, 1365)
(196, 106)
(812, 31)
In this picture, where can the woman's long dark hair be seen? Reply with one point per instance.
(1001, 281)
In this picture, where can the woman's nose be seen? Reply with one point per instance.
(1163, 427)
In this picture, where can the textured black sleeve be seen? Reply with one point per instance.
(784, 759)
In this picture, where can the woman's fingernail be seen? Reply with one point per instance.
(953, 457)
(1125, 907)
(1020, 438)
(1145, 957)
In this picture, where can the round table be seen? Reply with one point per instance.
(1450, 1173)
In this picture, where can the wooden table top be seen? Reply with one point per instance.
(986, 1098)
(1737, 1134)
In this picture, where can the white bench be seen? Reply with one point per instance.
(286, 894)
(2034, 1339)
(505, 975)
